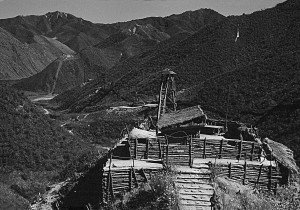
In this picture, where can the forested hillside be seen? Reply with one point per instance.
(40, 150)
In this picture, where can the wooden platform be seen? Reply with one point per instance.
(118, 164)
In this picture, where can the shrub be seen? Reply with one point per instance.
(159, 193)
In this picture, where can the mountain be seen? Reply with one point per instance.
(46, 37)
(62, 26)
(251, 59)
(62, 74)
(19, 60)
(99, 47)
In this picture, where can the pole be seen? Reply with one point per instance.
(227, 105)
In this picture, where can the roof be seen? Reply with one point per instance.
(214, 126)
(283, 155)
(180, 116)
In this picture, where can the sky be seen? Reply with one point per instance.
(110, 11)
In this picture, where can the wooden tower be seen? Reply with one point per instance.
(167, 93)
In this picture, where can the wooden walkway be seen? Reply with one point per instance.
(194, 187)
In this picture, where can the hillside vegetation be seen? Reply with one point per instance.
(40, 150)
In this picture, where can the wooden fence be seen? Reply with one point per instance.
(184, 152)
(226, 149)
(257, 176)
(151, 148)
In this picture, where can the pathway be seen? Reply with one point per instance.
(194, 187)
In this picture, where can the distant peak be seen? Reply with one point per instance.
(58, 14)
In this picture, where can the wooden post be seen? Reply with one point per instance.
(134, 178)
(132, 162)
(240, 150)
(101, 186)
(245, 172)
(252, 151)
(204, 148)
(159, 147)
(167, 150)
(144, 175)
(270, 173)
(229, 170)
(260, 168)
(147, 149)
(130, 179)
(190, 152)
(111, 187)
(135, 148)
(110, 159)
(108, 185)
(221, 148)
